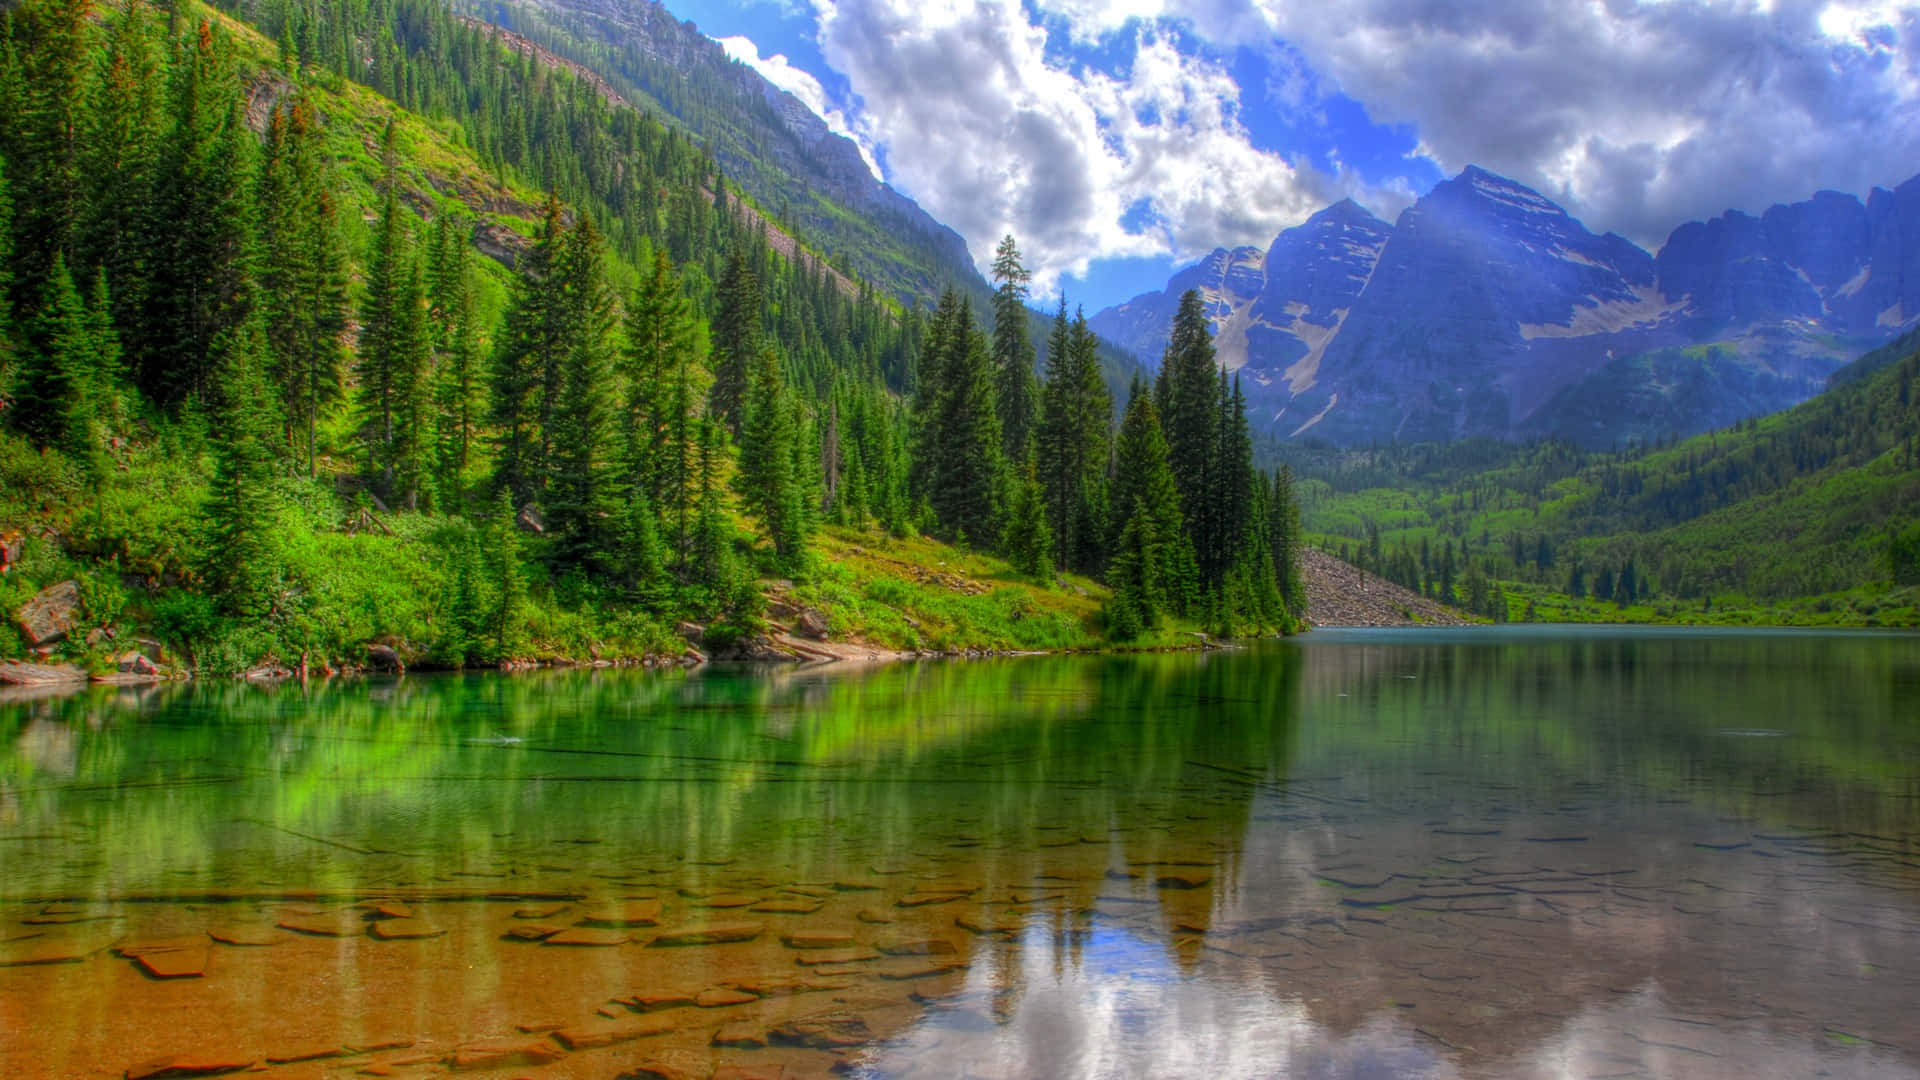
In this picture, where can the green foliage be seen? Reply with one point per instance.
(1073, 437)
(242, 561)
(1784, 508)
(303, 276)
(767, 479)
(1903, 556)
(1028, 542)
(958, 465)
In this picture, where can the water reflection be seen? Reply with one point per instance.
(1486, 854)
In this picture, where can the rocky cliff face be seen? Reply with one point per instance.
(1487, 310)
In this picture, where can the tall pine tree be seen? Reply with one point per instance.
(1013, 354)
(736, 337)
(768, 482)
(582, 484)
(302, 275)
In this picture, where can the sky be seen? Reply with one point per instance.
(1119, 139)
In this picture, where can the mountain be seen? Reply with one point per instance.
(1487, 310)
(813, 181)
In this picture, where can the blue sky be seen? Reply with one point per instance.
(1118, 139)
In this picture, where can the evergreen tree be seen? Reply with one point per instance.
(195, 241)
(530, 342)
(959, 453)
(6, 268)
(665, 392)
(1187, 394)
(1074, 444)
(303, 275)
(54, 40)
(1013, 354)
(583, 474)
(1028, 542)
(457, 347)
(54, 392)
(394, 354)
(1284, 538)
(124, 119)
(1145, 523)
(767, 480)
(1129, 609)
(736, 338)
(242, 560)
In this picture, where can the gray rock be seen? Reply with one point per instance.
(49, 616)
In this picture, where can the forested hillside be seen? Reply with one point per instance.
(1810, 514)
(358, 324)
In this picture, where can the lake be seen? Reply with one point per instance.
(1518, 852)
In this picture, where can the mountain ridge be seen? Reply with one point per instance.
(1487, 309)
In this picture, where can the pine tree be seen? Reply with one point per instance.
(457, 350)
(959, 450)
(242, 560)
(54, 391)
(303, 275)
(1284, 538)
(54, 54)
(124, 119)
(665, 392)
(1028, 542)
(1129, 609)
(530, 341)
(583, 470)
(1145, 523)
(1074, 444)
(1187, 394)
(394, 354)
(6, 267)
(1013, 354)
(767, 480)
(195, 241)
(736, 338)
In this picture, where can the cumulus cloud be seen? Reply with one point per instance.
(803, 85)
(1636, 115)
(994, 136)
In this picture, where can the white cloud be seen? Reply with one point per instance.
(1636, 115)
(803, 85)
(992, 137)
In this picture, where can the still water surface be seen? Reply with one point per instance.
(1490, 853)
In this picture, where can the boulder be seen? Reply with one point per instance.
(813, 624)
(49, 616)
(136, 663)
(384, 658)
(692, 633)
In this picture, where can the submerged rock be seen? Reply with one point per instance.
(591, 1036)
(199, 1063)
(709, 934)
(501, 1053)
